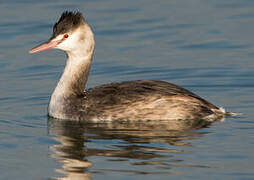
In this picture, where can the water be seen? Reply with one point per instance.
(205, 46)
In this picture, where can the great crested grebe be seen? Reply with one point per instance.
(133, 100)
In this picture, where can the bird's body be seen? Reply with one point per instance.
(130, 100)
(135, 100)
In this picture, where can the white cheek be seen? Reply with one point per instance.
(65, 45)
(69, 43)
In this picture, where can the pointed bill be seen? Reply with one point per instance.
(45, 46)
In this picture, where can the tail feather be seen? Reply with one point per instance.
(220, 114)
(225, 113)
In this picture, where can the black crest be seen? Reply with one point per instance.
(68, 21)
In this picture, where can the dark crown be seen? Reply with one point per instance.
(67, 22)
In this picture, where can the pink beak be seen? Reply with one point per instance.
(45, 46)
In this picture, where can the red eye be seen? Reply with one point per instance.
(66, 36)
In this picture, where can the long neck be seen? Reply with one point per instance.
(70, 85)
(75, 75)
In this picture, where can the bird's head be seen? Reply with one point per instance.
(71, 34)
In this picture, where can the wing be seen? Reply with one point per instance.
(132, 91)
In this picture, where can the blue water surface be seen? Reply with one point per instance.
(204, 46)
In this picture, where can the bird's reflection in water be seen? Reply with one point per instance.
(71, 151)
(121, 141)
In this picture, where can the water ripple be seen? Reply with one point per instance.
(217, 45)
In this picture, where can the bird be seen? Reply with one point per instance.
(118, 101)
